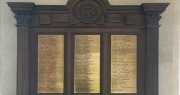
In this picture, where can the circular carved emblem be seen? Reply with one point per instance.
(87, 11)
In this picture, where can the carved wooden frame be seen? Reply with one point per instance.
(55, 19)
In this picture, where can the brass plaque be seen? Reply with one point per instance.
(123, 64)
(50, 63)
(87, 64)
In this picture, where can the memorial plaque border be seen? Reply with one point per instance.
(141, 20)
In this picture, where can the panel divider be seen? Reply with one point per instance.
(104, 63)
(68, 62)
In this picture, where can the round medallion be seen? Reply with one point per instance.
(87, 11)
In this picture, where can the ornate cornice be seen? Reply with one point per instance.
(22, 11)
(21, 7)
(88, 12)
(154, 8)
(152, 13)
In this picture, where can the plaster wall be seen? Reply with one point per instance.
(168, 44)
(0, 45)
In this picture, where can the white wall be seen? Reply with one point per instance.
(176, 43)
(8, 51)
(0, 45)
(168, 52)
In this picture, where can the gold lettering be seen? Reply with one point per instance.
(87, 64)
(123, 64)
(50, 63)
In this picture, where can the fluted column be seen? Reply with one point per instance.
(23, 16)
(152, 16)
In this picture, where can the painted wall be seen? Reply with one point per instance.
(168, 52)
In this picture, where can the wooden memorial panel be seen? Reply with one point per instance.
(128, 62)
